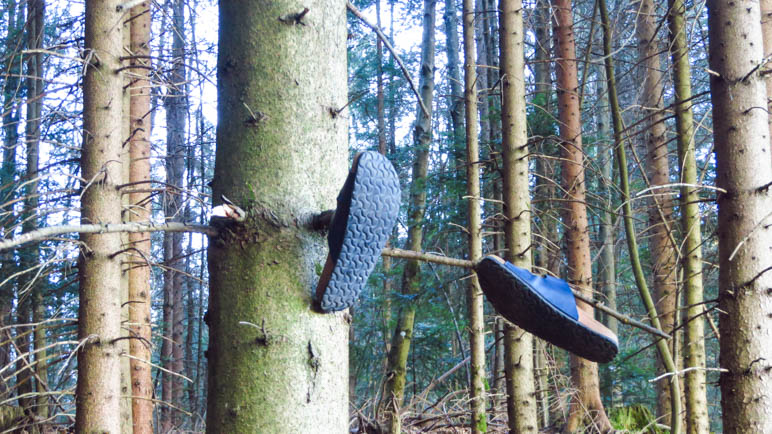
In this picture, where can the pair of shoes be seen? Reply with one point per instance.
(546, 308)
(368, 205)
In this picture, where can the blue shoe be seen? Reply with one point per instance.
(545, 307)
(368, 205)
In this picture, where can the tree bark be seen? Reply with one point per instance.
(766, 31)
(394, 390)
(474, 296)
(518, 344)
(98, 390)
(584, 374)
(140, 347)
(694, 344)
(276, 365)
(663, 251)
(742, 144)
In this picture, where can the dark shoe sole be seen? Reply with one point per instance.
(523, 306)
(370, 213)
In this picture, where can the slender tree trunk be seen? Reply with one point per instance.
(456, 97)
(584, 374)
(98, 390)
(664, 350)
(474, 295)
(694, 344)
(35, 31)
(140, 347)
(176, 105)
(741, 138)
(394, 390)
(276, 365)
(518, 345)
(662, 250)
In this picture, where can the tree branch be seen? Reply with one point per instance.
(463, 263)
(393, 52)
(44, 233)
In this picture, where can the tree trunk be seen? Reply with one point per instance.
(394, 390)
(584, 374)
(766, 31)
(139, 270)
(694, 343)
(741, 138)
(474, 296)
(456, 97)
(663, 251)
(276, 365)
(518, 344)
(632, 243)
(176, 105)
(98, 391)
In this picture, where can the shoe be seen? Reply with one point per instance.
(545, 307)
(368, 205)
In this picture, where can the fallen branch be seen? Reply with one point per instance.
(393, 52)
(51, 231)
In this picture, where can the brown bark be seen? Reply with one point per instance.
(663, 253)
(742, 144)
(140, 347)
(584, 374)
(98, 390)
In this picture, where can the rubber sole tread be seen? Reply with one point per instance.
(373, 210)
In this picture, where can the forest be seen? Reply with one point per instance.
(171, 171)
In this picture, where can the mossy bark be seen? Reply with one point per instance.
(518, 344)
(394, 389)
(99, 316)
(694, 343)
(474, 296)
(742, 148)
(275, 364)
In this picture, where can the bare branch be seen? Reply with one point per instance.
(44, 233)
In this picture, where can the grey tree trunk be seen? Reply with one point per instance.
(518, 344)
(276, 365)
(742, 146)
(98, 391)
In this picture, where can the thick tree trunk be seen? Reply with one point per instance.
(139, 270)
(663, 251)
(742, 145)
(98, 390)
(584, 374)
(518, 345)
(276, 365)
(474, 296)
(694, 344)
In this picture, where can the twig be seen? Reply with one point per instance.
(43, 233)
(683, 371)
(393, 52)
